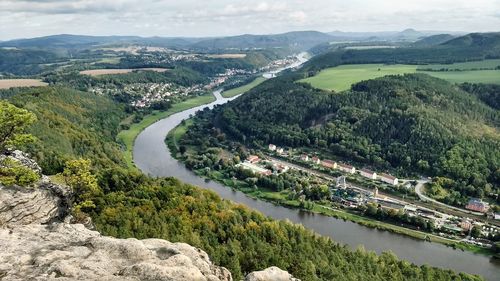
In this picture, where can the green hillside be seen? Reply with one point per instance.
(74, 124)
(409, 124)
(71, 124)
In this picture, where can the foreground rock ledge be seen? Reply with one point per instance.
(72, 252)
(38, 243)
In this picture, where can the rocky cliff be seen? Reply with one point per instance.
(37, 242)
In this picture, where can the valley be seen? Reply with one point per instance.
(334, 156)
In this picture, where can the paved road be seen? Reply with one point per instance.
(425, 198)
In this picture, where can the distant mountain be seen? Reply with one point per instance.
(84, 41)
(433, 40)
(407, 35)
(480, 40)
(301, 40)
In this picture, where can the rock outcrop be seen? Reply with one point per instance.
(272, 273)
(72, 252)
(38, 243)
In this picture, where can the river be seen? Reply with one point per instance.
(152, 156)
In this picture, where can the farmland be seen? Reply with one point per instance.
(13, 83)
(341, 78)
(97, 72)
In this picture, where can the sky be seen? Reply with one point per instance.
(202, 18)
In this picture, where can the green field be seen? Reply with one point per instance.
(341, 78)
(484, 64)
(242, 89)
(477, 76)
(127, 137)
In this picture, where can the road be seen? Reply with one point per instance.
(418, 188)
(425, 198)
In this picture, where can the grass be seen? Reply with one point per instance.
(341, 78)
(242, 89)
(484, 64)
(477, 76)
(127, 137)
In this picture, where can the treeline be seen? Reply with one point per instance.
(407, 124)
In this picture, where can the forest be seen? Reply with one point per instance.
(403, 124)
(125, 203)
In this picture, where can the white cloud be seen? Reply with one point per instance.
(28, 18)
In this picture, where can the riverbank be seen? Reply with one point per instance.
(242, 89)
(283, 198)
(127, 137)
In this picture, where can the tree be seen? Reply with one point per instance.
(13, 124)
(476, 231)
(79, 177)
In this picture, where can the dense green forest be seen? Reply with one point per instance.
(72, 124)
(411, 124)
(236, 237)
(24, 62)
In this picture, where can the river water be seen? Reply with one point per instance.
(152, 156)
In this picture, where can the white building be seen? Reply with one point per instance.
(346, 168)
(272, 147)
(388, 179)
(368, 174)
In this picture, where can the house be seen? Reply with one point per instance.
(279, 150)
(477, 205)
(329, 164)
(388, 179)
(279, 168)
(368, 174)
(304, 157)
(272, 147)
(254, 168)
(466, 225)
(253, 159)
(346, 168)
(316, 160)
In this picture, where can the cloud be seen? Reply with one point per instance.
(230, 17)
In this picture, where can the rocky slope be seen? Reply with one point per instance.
(37, 242)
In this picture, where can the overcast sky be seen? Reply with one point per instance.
(30, 18)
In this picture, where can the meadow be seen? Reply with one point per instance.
(242, 89)
(341, 78)
(472, 65)
(13, 83)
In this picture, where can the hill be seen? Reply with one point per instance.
(299, 40)
(471, 47)
(433, 40)
(407, 124)
(71, 124)
(86, 41)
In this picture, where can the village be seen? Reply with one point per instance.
(143, 95)
(346, 195)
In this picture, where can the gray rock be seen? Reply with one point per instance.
(270, 274)
(73, 252)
